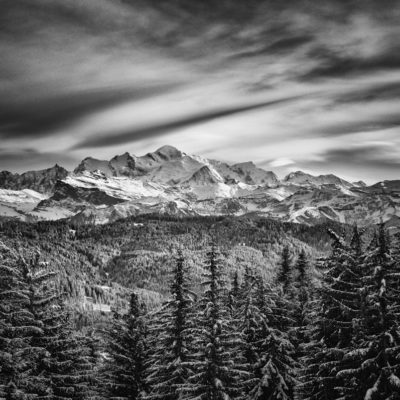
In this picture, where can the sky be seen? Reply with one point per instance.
(310, 85)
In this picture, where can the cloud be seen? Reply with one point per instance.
(279, 45)
(341, 66)
(104, 73)
(370, 162)
(280, 162)
(38, 118)
(361, 124)
(21, 160)
(378, 155)
(164, 128)
(374, 92)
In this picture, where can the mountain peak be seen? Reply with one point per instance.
(302, 178)
(204, 176)
(169, 152)
(246, 164)
(295, 174)
(122, 156)
(247, 172)
(90, 164)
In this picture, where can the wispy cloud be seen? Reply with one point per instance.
(164, 128)
(26, 159)
(68, 69)
(29, 118)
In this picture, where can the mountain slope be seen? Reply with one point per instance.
(42, 181)
(172, 182)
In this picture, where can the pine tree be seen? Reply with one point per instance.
(284, 272)
(62, 367)
(217, 365)
(70, 366)
(274, 368)
(333, 321)
(371, 367)
(301, 268)
(125, 369)
(249, 316)
(233, 294)
(168, 370)
(17, 325)
(39, 304)
(302, 292)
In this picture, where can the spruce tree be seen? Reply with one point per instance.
(284, 272)
(126, 348)
(169, 331)
(17, 325)
(217, 364)
(302, 296)
(371, 367)
(233, 294)
(62, 368)
(333, 319)
(274, 368)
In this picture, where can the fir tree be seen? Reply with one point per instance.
(284, 272)
(333, 321)
(17, 325)
(301, 269)
(302, 289)
(125, 369)
(371, 367)
(62, 368)
(168, 369)
(217, 365)
(233, 294)
(274, 368)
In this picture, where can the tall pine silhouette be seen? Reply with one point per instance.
(218, 368)
(169, 331)
(126, 347)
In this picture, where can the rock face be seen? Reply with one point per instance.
(122, 165)
(42, 181)
(204, 177)
(301, 178)
(169, 181)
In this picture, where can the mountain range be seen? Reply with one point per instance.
(169, 181)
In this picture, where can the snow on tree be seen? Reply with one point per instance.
(126, 354)
(62, 367)
(284, 273)
(17, 325)
(169, 339)
(274, 366)
(233, 294)
(218, 368)
(371, 367)
(301, 308)
(302, 292)
(334, 318)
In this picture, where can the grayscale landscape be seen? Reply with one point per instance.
(199, 200)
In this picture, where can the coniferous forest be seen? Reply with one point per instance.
(157, 308)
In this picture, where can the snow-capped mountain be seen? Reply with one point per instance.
(42, 181)
(169, 181)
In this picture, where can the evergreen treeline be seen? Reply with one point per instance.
(324, 332)
(97, 264)
(40, 354)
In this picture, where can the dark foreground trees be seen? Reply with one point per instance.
(124, 370)
(169, 339)
(40, 355)
(327, 336)
(354, 352)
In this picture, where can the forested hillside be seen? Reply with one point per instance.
(205, 308)
(95, 264)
